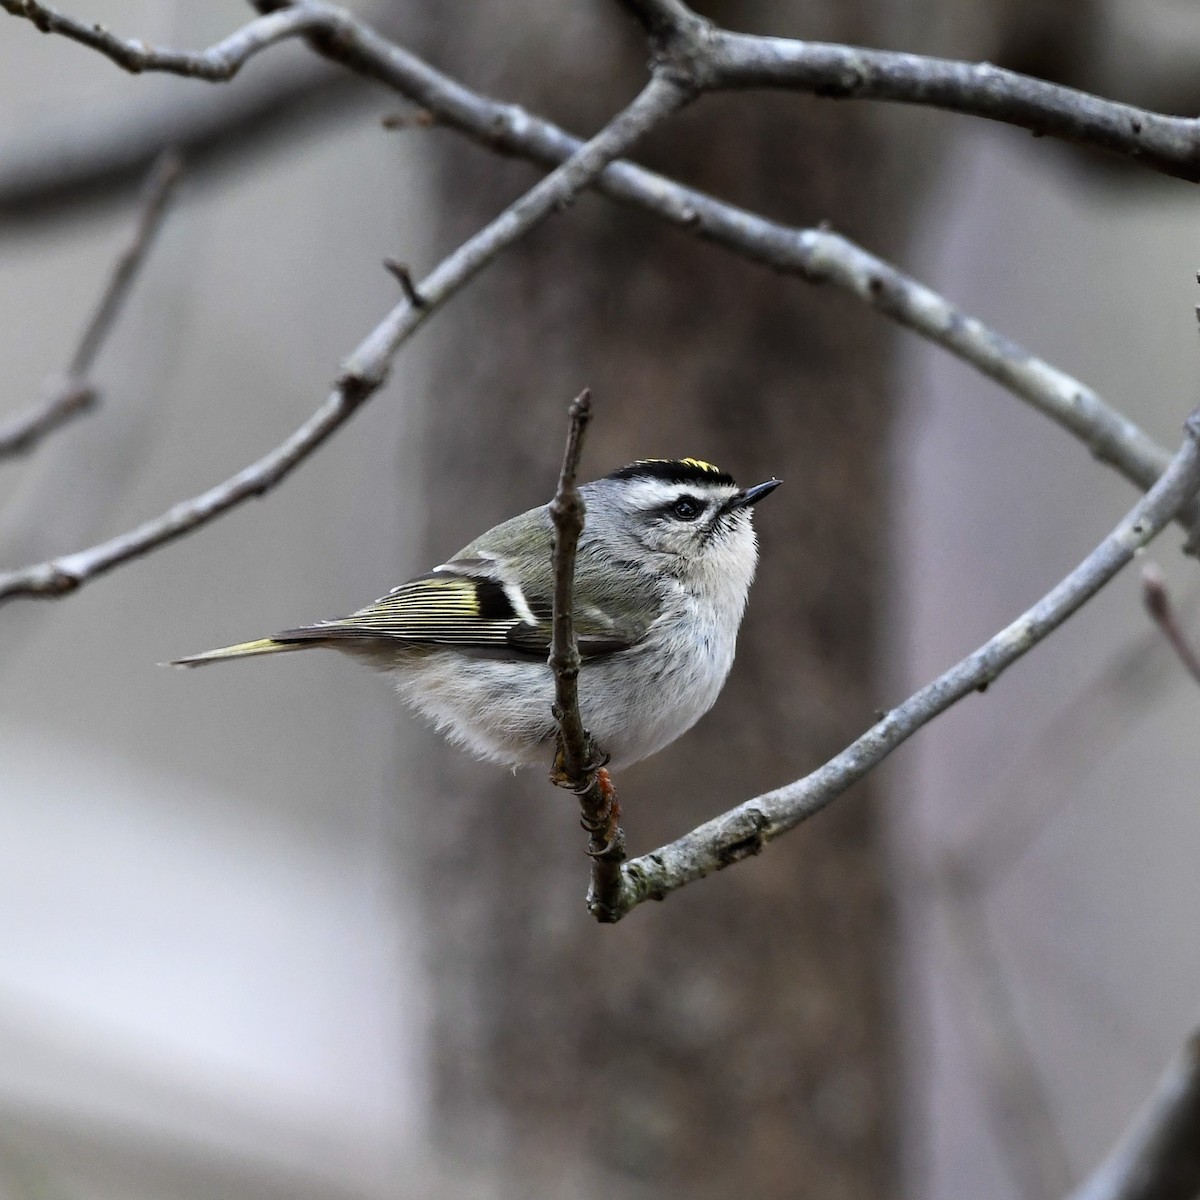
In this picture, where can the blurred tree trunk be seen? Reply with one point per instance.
(735, 1040)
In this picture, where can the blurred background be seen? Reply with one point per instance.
(264, 935)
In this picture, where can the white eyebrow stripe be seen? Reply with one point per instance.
(653, 493)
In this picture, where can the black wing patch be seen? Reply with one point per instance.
(470, 611)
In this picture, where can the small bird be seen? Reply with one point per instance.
(664, 567)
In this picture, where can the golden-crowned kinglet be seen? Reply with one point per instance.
(664, 567)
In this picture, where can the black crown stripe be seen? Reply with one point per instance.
(674, 470)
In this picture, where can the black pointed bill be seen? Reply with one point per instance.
(753, 495)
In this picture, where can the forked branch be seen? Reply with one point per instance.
(705, 57)
(745, 830)
(816, 255)
(367, 366)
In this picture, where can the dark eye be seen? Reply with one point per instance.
(686, 508)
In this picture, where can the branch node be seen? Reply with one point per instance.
(355, 384)
(58, 581)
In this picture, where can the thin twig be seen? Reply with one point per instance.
(72, 393)
(1158, 1156)
(156, 194)
(816, 255)
(568, 513)
(216, 64)
(366, 368)
(745, 830)
(1164, 143)
(1157, 600)
(578, 764)
(403, 275)
(65, 398)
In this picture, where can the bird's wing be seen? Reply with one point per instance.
(467, 603)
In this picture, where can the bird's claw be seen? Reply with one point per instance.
(612, 848)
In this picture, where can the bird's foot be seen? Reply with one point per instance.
(560, 777)
(605, 838)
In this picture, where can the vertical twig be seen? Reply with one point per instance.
(578, 765)
(73, 393)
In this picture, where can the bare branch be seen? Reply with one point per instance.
(711, 59)
(366, 368)
(567, 511)
(1111, 436)
(217, 63)
(745, 830)
(716, 59)
(577, 764)
(72, 394)
(1158, 1157)
(1157, 600)
(1164, 143)
(65, 398)
(817, 255)
(155, 196)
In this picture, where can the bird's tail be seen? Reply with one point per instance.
(241, 650)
